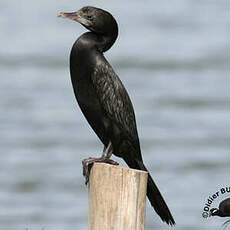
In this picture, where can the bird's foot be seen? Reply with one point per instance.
(88, 163)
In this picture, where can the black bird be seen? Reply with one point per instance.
(104, 100)
(224, 209)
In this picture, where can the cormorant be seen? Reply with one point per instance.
(104, 100)
(224, 209)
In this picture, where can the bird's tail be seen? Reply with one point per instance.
(153, 193)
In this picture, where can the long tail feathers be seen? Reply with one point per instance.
(153, 194)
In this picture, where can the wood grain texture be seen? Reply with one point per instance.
(117, 198)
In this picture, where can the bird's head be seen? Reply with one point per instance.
(94, 19)
(214, 212)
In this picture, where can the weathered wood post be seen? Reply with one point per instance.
(117, 198)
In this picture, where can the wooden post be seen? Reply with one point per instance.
(117, 198)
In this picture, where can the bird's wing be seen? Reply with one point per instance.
(114, 99)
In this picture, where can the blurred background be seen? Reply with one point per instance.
(172, 56)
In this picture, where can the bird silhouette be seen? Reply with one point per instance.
(222, 211)
(104, 100)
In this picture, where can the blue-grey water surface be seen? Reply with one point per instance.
(172, 56)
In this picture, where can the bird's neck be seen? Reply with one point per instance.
(100, 42)
(106, 42)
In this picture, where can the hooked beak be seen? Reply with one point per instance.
(76, 16)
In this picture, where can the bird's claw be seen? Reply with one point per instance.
(88, 163)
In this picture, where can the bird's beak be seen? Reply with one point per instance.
(76, 16)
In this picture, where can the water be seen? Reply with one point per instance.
(173, 59)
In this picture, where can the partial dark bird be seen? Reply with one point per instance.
(223, 211)
(104, 100)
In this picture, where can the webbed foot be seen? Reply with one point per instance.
(88, 163)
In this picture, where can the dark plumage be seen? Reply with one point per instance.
(103, 99)
(224, 209)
